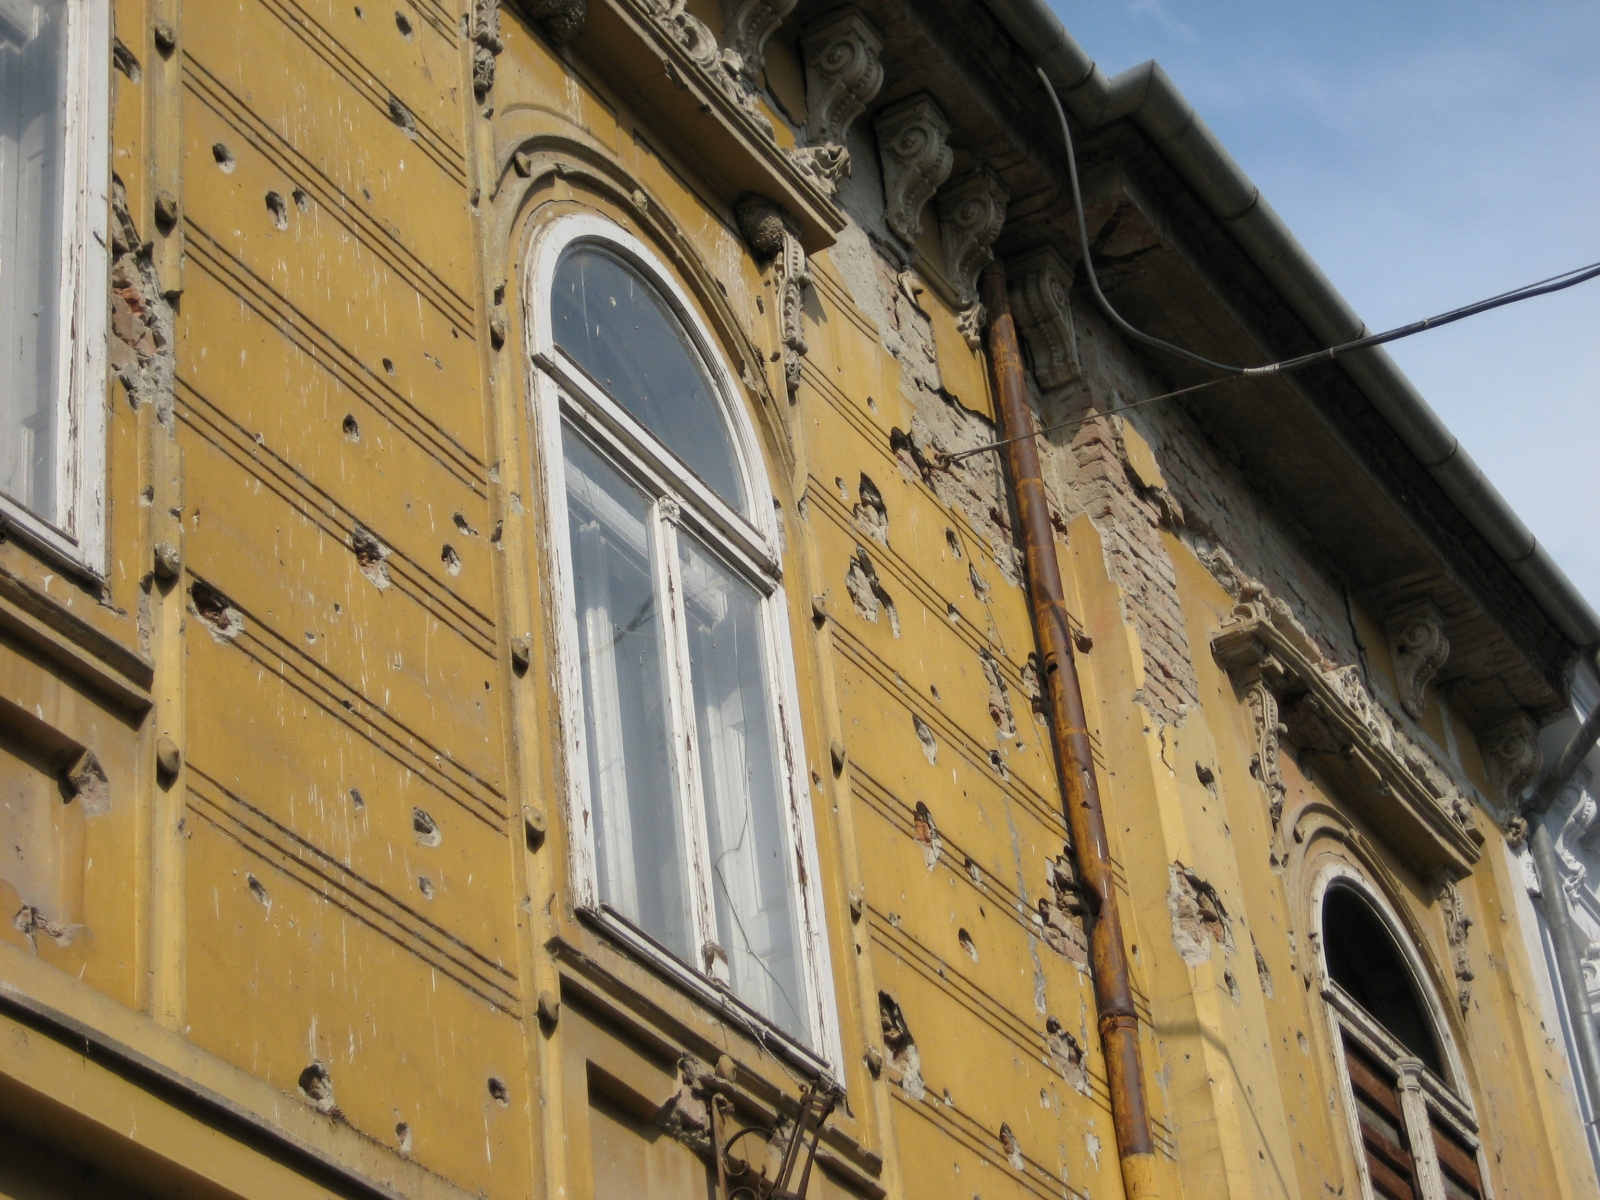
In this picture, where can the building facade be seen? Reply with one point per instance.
(520, 668)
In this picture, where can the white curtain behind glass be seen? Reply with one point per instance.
(32, 102)
(743, 796)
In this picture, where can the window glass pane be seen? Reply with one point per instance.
(639, 842)
(32, 104)
(620, 329)
(744, 797)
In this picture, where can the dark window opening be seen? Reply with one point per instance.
(1364, 960)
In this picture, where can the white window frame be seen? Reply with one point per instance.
(562, 392)
(79, 536)
(1447, 1099)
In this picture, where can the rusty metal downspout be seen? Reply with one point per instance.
(1113, 994)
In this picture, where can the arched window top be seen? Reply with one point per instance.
(618, 327)
(1364, 960)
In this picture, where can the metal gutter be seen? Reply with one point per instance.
(1146, 95)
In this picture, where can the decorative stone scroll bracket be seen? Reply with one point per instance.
(1040, 287)
(843, 75)
(772, 237)
(747, 25)
(972, 212)
(916, 159)
(1512, 757)
(1416, 636)
(558, 20)
(1456, 924)
(486, 44)
(723, 68)
(1327, 713)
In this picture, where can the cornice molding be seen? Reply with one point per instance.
(1328, 713)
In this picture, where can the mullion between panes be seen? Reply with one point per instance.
(665, 515)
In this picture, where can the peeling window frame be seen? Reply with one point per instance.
(561, 394)
(1448, 1100)
(79, 537)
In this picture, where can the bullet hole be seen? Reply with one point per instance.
(401, 116)
(278, 207)
(425, 885)
(999, 696)
(533, 828)
(497, 1089)
(222, 621)
(872, 404)
(1068, 1055)
(352, 430)
(402, 1135)
(903, 1053)
(837, 755)
(521, 655)
(1012, 1147)
(999, 764)
(967, 944)
(424, 827)
(980, 589)
(367, 192)
(166, 39)
(1064, 912)
(224, 157)
(844, 492)
(867, 594)
(1198, 916)
(927, 833)
(1305, 1046)
(302, 201)
(955, 542)
(259, 891)
(930, 748)
(870, 513)
(359, 14)
(316, 1085)
(461, 524)
(1262, 972)
(451, 560)
(499, 530)
(355, 798)
(1203, 773)
(933, 690)
(1031, 685)
(403, 25)
(370, 553)
(388, 366)
(1233, 984)
(500, 293)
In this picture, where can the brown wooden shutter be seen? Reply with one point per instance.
(1458, 1164)
(1383, 1129)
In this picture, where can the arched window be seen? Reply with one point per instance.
(1417, 1136)
(687, 801)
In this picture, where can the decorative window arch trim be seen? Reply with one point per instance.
(1450, 1099)
(553, 377)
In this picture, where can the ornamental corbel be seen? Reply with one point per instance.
(843, 75)
(1512, 757)
(559, 20)
(772, 237)
(1416, 635)
(722, 68)
(746, 27)
(972, 212)
(912, 147)
(486, 44)
(1040, 285)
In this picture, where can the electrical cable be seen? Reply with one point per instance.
(1542, 287)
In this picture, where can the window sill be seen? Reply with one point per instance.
(642, 948)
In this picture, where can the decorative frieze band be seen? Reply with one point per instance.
(1328, 712)
(1416, 636)
(1040, 284)
(912, 146)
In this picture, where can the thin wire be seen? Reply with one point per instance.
(1554, 283)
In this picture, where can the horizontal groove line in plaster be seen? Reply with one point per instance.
(360, 898)
(920, 586)
(985, 1144)
(408, 577)
(374, 723)
(386, 925)
(332, 355)
(371, 233)
(824, 281)
(973, 753)
(437, 15)
(901, 817)
(434, 143)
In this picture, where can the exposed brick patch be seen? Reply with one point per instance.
(141, 342)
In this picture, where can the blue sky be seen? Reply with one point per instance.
(1427, 154)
